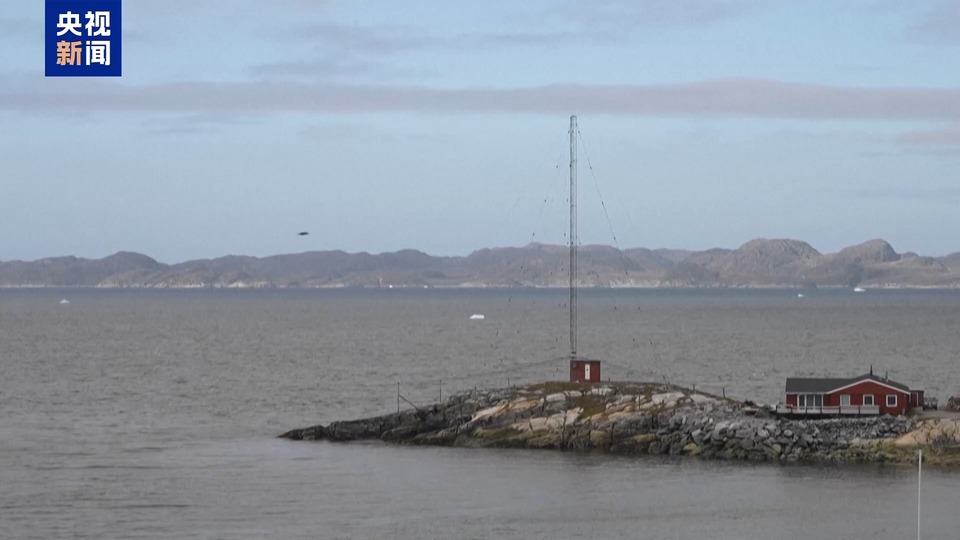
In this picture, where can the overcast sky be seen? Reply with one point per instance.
(442, 126)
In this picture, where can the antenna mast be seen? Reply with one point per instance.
(573, 237)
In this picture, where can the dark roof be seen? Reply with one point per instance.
(814, 386)
(888, 382)
(823, 386)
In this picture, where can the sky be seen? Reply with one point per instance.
(443, 126)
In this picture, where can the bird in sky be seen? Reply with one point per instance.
(302, 233)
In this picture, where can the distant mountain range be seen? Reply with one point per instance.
(758, 263)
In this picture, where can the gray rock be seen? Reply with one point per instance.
(718, 432)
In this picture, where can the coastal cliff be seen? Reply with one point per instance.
(642, 418)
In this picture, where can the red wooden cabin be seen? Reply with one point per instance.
(864, 395)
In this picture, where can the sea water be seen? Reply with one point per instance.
(153, 414)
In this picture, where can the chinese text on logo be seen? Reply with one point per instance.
(83, 38)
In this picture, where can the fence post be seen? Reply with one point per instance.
(398, 397)
(441, 390)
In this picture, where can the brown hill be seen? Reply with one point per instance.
(757, 263)
(72, 271)
(951, 261)
(871, 251)
(765, 262)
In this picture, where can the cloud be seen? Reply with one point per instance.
(937, 142)
(341, 51)
(192, 124)
(733, 98)
(941, 136)
(331, 67)
(940, 25)
(529, 39)
(938, 194)
(628, 15)
(181, 8)
(328, 66)
(338, 131)
(386, 39)
(21, 28)
(355, 38)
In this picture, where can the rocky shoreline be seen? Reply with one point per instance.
(649, 418)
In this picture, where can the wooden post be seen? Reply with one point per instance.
(919, 481)
(563, 433)
(441, 390)
(398, 397)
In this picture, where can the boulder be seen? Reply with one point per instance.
(953, 404)
(692, 449)
(599, 439)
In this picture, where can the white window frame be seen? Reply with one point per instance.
(872, 401)
(844, 400)
(809, 400)
(894, 396)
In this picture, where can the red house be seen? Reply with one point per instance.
(864, 395)
(584, 371)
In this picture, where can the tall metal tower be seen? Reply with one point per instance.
(573, 237)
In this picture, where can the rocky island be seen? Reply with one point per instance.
(649, 418)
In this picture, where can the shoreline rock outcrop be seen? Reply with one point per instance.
(648, 418)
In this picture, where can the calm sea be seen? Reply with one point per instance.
(153, 414)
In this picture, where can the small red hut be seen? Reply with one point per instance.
(917, 399)
(584, 371)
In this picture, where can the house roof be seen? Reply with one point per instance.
(803, 385)
(800, 385)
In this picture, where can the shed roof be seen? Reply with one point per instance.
(799, 385)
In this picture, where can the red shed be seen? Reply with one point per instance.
(864, 395)
(916, 398)
(584, 371)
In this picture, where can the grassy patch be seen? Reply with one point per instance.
(552, 387)
(591, 405)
